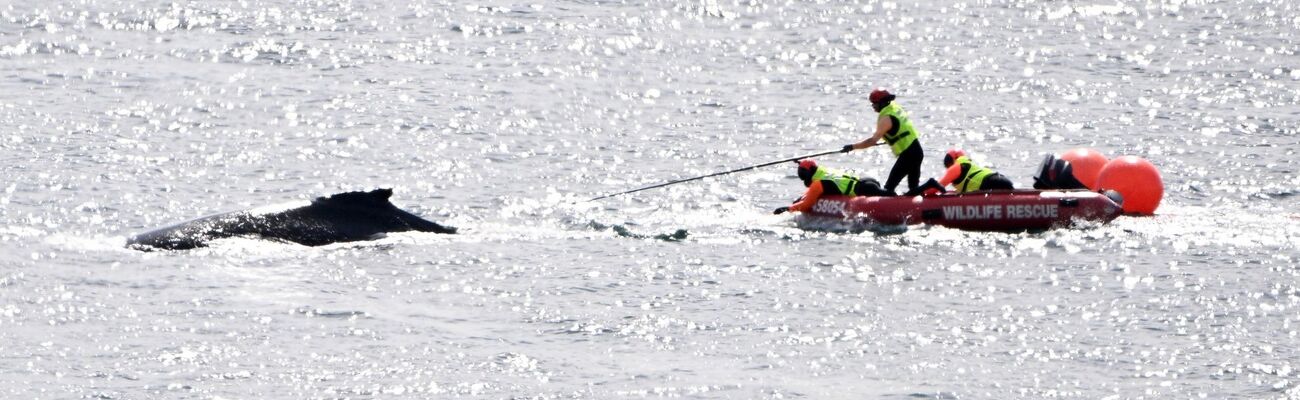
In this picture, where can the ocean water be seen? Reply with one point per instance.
(500, 118)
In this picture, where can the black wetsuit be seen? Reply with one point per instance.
(996, 182)
(908, 164)
(862, 187)
(870, 187)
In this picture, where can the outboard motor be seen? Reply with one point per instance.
(1055, 173)
(1114, 196)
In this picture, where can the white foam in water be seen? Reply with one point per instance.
(504, 121)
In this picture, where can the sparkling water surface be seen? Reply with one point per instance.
(501, 118)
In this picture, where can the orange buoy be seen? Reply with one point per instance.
(1087, 164)
(1135, 179)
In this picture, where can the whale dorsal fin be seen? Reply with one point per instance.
(373, 197)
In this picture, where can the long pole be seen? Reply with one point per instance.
(718, 173)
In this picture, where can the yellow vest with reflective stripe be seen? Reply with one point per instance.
(972, 175)
(904, 133)
(842, 182)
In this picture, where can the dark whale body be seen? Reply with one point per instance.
(343, 217)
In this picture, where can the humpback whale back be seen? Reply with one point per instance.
(341, 217)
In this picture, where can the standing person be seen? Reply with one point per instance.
(894, 126)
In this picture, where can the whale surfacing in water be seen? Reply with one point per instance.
(344, 217)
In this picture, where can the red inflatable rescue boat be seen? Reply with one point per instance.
(1000, 210)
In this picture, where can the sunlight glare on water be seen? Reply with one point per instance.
(502, 118)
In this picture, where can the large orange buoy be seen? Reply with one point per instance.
(1087, 164)
(1135, 179)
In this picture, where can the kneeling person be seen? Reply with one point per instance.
(964, 176)
(824, 181)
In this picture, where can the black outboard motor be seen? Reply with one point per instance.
(1114, 196)
(1055, 173)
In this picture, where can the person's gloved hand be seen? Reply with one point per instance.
(847, 148)
(780, 210)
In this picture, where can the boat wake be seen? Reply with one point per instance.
(623, 231)
(846, 225)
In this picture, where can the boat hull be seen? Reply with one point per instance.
(1000, 210)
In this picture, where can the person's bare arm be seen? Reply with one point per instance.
(883, 125)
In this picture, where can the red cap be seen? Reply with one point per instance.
(806, 170)
(952, 156)
(878, 95)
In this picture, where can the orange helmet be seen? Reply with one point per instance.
(952, 157)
